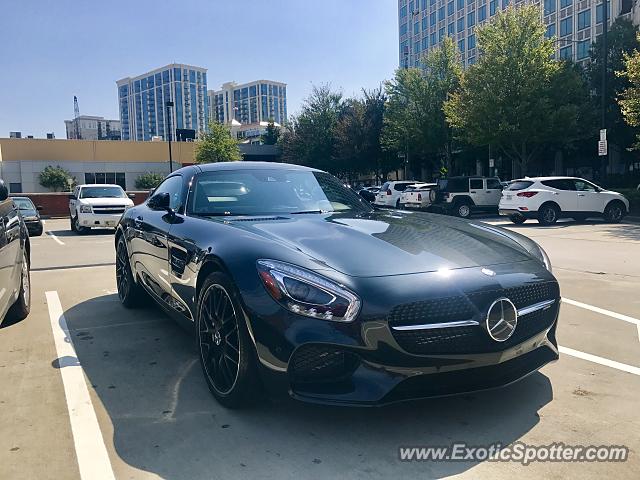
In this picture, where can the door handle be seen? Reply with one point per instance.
(581, 194)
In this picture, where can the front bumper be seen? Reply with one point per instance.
(94, 220)
(368, 362)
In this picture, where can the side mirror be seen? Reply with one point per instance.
(39, 208)
(162, 201)
(151, 191)
(72, 197)
(131, 195)
(4, 191)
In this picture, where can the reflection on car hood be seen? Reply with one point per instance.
(389, 243)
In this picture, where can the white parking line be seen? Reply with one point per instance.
(93, 459)
(600, 360)
(55, 238)
(609, 313)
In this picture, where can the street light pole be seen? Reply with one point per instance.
(603, 96)
(169, 106)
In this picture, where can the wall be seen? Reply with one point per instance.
(22, 160)
(57, 204)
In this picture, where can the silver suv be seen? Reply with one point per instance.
(462, 196)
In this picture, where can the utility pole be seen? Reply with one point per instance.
(169, 106)
(76, 118)
(605, 58)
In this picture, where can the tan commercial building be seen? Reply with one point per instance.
(89, 161)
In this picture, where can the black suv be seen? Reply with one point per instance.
(462, 196)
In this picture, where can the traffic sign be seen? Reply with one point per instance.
(603, 135)
(602, 148)
(491, 163)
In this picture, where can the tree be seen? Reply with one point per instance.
(56, 178)
(217, 145)
(622, 40)
(149, 180)
(310, 138)
(415, 122)
(629, 98)
(272, 134)
(513, 98)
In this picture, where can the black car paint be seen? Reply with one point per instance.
(14, 240)
(387, 257)
(31, 218)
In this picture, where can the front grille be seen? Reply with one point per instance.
(110, 210)
(318, 362)
(470, 339)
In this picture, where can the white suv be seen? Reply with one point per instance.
(550, 198)
(97, 205)
(389, 195)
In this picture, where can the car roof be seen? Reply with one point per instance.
(541, 179)
(99, 185)
(242, 165)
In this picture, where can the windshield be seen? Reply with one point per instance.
(24, 204)
(102, 192)
(268, 192)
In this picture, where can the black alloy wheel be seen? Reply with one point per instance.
(22, 306)
(226, 352)
(614, 212)
(548, 215)
(129, 292)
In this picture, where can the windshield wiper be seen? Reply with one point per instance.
(309, 211)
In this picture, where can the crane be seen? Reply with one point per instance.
(76, 117)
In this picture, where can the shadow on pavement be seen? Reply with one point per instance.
(625, 231)
(144, 369)
(92, 232)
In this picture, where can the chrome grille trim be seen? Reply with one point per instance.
(535, 307)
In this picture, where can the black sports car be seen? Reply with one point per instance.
(30, 214)
(291, 280)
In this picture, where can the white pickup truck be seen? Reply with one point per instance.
(97, 205)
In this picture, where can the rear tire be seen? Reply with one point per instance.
(398, 203)
(72, 221)
(614, 212)
(462, 209)
(517, 219)
(548, 214)
(22, 306)
(227, 355)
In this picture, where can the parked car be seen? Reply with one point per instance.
(369, 193)
(389, 195)
(549, 198)
(463, 196)
(97, 205)
(420, 195)
(291, 281)
(15, 284)
(30, 215)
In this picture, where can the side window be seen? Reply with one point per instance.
(583, 186)
(400, 187)
(172, 186)
(475, 184)
(561, 184)
(493, 184)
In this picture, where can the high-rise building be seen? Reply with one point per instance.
(88, 127)
(142, 102)
(249, 103)
(574, 24)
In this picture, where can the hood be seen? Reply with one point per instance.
(389, 243)
(106, 201)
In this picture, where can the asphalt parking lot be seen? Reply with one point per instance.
(156, 418)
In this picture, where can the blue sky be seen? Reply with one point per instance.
(53, 50)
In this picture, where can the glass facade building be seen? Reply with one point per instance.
(423, 24)
(249, 103)
(142, 101)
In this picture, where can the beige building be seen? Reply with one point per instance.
(22, 160)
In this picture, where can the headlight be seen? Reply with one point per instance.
(85, 209)
(307, 293)
(127, 207)
(544, 258)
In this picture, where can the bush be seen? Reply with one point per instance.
(633, 196)
(56, 178)
(149, 180)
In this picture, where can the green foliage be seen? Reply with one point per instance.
(149, 180)
(629, 99)
(415, 121)
(622, 41)
(517, 98)
(56, 178)
(272, 134)
(217, 145)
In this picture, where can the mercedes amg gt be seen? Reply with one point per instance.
(291, 282)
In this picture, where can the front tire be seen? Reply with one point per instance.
(548, 215)
(79, 229)
(22, 306)
(517, 219)
(614, 212)
(227, 355)
(129, 292)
